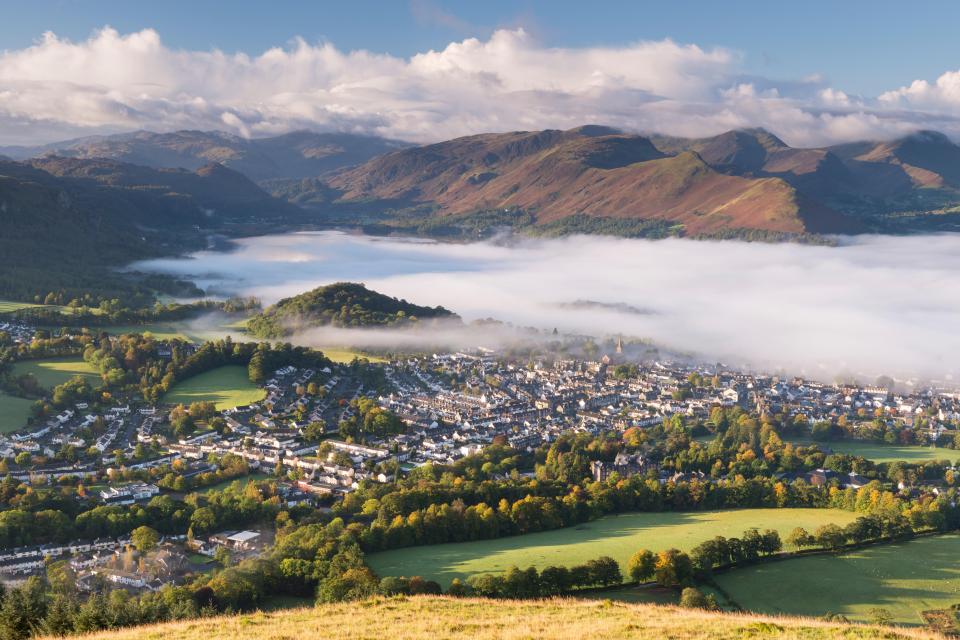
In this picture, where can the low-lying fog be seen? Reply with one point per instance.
(873, 305)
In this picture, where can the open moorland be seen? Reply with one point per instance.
(227, 387)
(430, 617)
(616, 536)
(51, 373)
(904, 579)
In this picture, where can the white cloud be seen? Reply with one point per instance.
(114, 81)
(944, 92)
(877, 305)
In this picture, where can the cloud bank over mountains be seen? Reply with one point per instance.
(118, 82)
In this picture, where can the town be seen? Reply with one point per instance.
(320, 433)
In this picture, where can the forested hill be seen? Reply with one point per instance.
(342, 304)
(66, 223)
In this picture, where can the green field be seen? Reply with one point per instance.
(55, 372)
(634, 595)
(339, 354)
(876, 451)
(890, 452)
(212, 327)
(226, 483)
(6, 306)
(13, 412)
(616, 536)
(227, 387)
(904, 579)
(159, 330)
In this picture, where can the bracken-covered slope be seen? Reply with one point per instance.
(740, 180)
(342, 304)
(431, 618)
(590, 170)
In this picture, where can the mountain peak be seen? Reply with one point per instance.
(595, 130)
(927, 136)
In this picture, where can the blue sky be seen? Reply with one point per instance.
(864, 47)
(814, 73)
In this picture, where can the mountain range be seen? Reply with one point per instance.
(742, 180)
(107, 199)
(299, 154)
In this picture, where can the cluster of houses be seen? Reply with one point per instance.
(28, 560)
(452, 405)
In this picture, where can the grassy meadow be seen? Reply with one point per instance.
(227, 387)
(876, 451)
(343, 355)
(220, 486)
(431, 617)
(905, 579)
(616, 536)
(13, 412)
(51, 373)
(8, 306)
(890, 452)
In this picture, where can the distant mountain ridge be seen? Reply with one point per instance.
(589, 170)
(740, 180)
(294, 155)
(211, 191)
(591, 179)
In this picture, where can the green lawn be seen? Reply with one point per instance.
(904, 579)
(616, 536)
(55, 372)
(13, 412)
(227, 386)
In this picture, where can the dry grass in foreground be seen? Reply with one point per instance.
(432, 618)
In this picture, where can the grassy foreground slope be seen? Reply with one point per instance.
(617, 536)
(431, 617)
